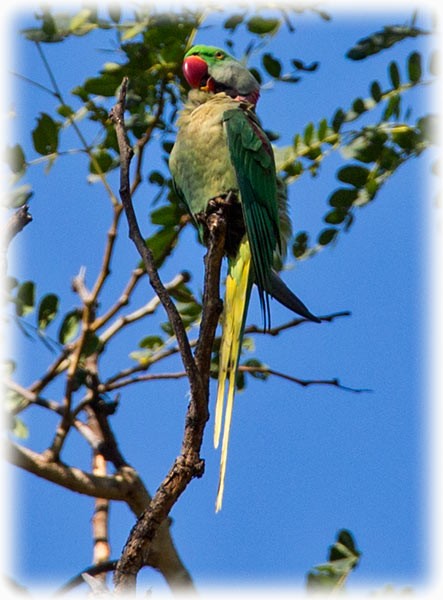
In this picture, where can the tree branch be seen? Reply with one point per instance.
(189, 464)
(16, 223)
(294, 323)
(125, 486)
(126, 153)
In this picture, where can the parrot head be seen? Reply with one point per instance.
(214, 70)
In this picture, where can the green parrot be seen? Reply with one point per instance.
(221, 151)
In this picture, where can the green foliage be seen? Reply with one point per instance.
(382, 40)
(47, 310)
(381, 147)
(69, 327)
(25, 299)
(343, 558)
(45, 135)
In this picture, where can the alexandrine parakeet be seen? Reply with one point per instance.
(221, 151)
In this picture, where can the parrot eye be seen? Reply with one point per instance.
(219, 55)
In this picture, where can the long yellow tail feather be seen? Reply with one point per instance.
(235, 306)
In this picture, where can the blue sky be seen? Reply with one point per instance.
(303, 463)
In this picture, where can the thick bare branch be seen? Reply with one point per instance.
(124, 486)
(189, 464)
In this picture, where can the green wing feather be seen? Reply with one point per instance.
(252, 156)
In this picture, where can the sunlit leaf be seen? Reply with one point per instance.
(25, 299)
(69, 327)
(151, 342)
(18, 196)
(15, 157)
(343, 557)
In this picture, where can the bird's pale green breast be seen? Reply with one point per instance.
(200, 162)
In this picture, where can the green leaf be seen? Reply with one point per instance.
(100, 162)
(47, 310)
(91, 345)
(338, 120)
(162, 243)
(358, 106)
(64, 110)
(300, 245)
(45, 135)
(233, 22)
(79, 19)
(308, 133)
(25, 299)
(414, 67)
(105, 85)
(19, 429)
(322, 130)
(19, 196)
(327, 236)
(376, 92)
(272, 65)
(301, 66)
(262, 26)
(70, 326)
(353, 174)
(168, 215)
(133, 31)
(343, 198)
(156, 177)
(394, 75)
(343, 557)
(15, 158)
(151, 342)
(381, 40)
(336, 216)
(393, 108)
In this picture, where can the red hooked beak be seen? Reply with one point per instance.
(195, 71)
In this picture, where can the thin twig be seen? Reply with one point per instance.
(143, 311)
(105, 268)
(121, 302)
(244, 369)
(58, 94)
(113, 382)
(93, 570)
(294, 323)
(303, 382)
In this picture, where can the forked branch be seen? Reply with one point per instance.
(189, 464)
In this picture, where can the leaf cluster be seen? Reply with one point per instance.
(343, 558)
